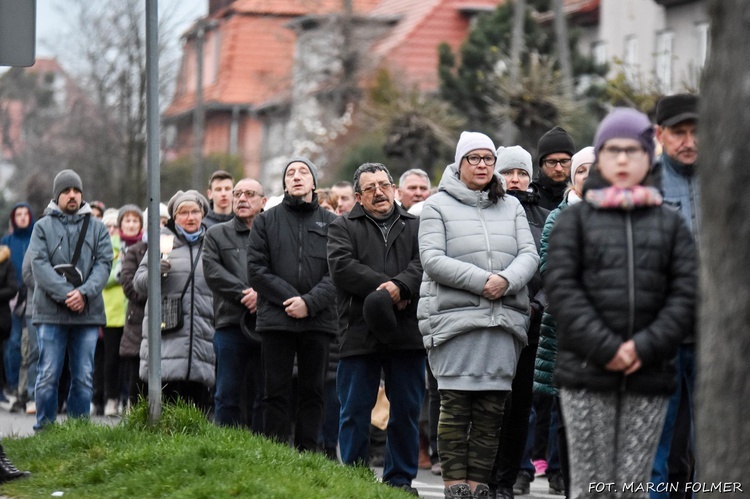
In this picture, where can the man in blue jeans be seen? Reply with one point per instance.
(373, 254)
(675, 173)
(68, 309)
(238, 359)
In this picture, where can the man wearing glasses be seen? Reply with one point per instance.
(238, 361)
(373, 254)
(555, 150)
(287, 266)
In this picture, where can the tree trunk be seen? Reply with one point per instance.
(723, 389)
(563, 46)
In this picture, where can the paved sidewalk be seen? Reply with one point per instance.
(22, 425)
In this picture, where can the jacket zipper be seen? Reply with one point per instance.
(489, 258)
(631, 282)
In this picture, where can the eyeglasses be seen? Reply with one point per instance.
(613, 152)
(474, 159)
(551, 163)
(248, 194)
(383, 186)
(194, 213)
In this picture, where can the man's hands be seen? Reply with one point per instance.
(250, 299)
(625, 360)
(495, 287)
(75, 301)
(296, 308)
(395, 293)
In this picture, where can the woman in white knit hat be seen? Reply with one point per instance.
(478, 254)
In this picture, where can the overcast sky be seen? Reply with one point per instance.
(51, 22)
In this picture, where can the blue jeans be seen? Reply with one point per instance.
(357, 382)
(32, 362)
(12, 352)
(238, 369)
(685, 377)
(80, 343)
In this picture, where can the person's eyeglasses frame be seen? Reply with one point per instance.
(383, 186)
(632, 152)
(194, 213)
(490, 157)
(248, 194)
(552, 163)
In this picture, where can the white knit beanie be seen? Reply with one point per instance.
(585, 155)
(510, 158)
(469, 141)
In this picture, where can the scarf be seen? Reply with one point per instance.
(130, 240)
(624, 199)
(191, 238)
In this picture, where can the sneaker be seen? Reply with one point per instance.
(435, 469)
(482, 491)
(540, 465)
(523, 484)
(31, 407)
(458, 491)
(556, 483)
(111, 409)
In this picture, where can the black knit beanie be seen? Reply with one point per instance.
(556, 140)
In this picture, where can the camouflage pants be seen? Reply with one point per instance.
(469, 433)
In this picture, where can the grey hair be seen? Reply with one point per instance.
(414, 171)
(369, 168)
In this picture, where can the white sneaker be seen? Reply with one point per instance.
(111, 408)
(31, 407)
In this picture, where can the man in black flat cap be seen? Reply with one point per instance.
(675, 174)
(373, 255)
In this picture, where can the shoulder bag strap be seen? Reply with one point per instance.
(81, 237)
(192, 269)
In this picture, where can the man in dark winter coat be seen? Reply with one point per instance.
(555, 150)
(238, 361)
(675, 175)
(68, 311)
(373, 253)
(296, 304)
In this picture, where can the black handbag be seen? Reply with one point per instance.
(69, 271)
(172, 318)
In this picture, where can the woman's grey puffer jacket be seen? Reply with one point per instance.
(187, 354)
(463, 239)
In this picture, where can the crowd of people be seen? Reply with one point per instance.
(516, 324)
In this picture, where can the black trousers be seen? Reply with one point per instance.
(515, 422)
(279, 349)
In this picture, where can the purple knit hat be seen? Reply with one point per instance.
(626, 123)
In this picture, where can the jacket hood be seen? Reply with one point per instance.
(13, 217)
(54, 209)
(452, 185)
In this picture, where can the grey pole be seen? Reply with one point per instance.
(152, 161)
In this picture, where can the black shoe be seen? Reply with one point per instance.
(8, 471)
(377, 461)
(504, 493)
(18, 406)
(523, 484)
(407, 488)
(556, 483)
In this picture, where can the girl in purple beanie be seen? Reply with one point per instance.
(623, 292)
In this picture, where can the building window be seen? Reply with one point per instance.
(599, 52)
(664, 56)
(704, 42)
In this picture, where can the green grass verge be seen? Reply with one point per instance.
(184, 455)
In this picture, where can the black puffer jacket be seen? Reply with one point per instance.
(537, 216)
(619, 275)
(286, 257)
(130, 344)
(360, 261)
